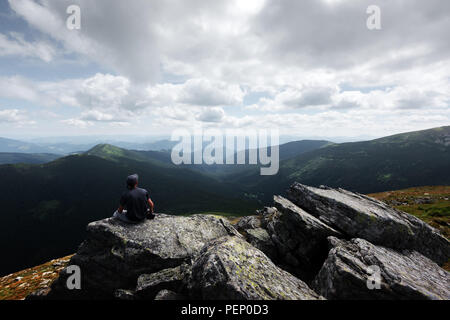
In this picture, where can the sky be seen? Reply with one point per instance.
(309, 68)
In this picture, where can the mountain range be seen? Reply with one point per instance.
(46, 206)
(31, 158)
(66, 145)
(396, 162)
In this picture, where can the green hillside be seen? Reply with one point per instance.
(286, 151)
(395, 162)
(45, 208)
(30, 158)
(430, 204)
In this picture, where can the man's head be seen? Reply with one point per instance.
(132, 181)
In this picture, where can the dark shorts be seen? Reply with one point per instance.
(123, 217)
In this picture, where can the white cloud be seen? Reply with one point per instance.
(202, 92)
(15, 116)
(16, 45)
(100, 90)
(96, 115)
(196, 92)
(82, 124)
(186, 63)
(18, 88)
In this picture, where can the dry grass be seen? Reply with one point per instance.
(430, 204)
(18, 285)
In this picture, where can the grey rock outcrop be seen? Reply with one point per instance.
(260, 239)
(322, 243)
(169, 295)
(115, 254)
(230, 268)
(350, 273)
(148, 285)
(122, 294)
(359, 216)
(301, 239)
(289, 236)
(251, 227)
(248, 222)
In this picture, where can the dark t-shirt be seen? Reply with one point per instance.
(136, 203)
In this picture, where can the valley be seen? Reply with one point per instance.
(56, 200)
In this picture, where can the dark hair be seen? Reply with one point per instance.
(132, 180)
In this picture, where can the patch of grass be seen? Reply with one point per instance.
(18, 285)
(431, 204)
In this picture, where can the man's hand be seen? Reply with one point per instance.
(151, 205)
(120, 210)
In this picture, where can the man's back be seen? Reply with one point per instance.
(135, 201)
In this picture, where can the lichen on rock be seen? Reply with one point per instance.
(230, 268)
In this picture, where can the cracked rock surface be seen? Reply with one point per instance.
(319, 243)
(230, 268)
(359, 216)
(350, 273)
(115, 254)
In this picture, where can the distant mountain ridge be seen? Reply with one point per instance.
(65, 194)
(29, 158)
(65, 148)
(16, 146)
(390, 163)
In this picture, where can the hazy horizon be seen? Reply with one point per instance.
(86, 139)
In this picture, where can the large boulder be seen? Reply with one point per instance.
(230, 268)
(248, 222)
(253, 229)
(300, 238)
(359, 216)
(115, 254)
(350, 272)
(148, 285)
(260, 239)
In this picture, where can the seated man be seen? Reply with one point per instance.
(136, 201)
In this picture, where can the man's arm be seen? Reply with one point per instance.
(122, 202)
(152, 206)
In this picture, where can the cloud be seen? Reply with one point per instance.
(82, 124)
(202, 92)
(334, 35)
(304, 65)
(196, 92)
(346, 104)
(14, 116)
(416, 99)
(129, 38)
(312, 96)
(96, 115)
(215, 114)
(351, 100)
(18, 88)
(16, 45)
(297, 98)
(100, 90)
(227, 40)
